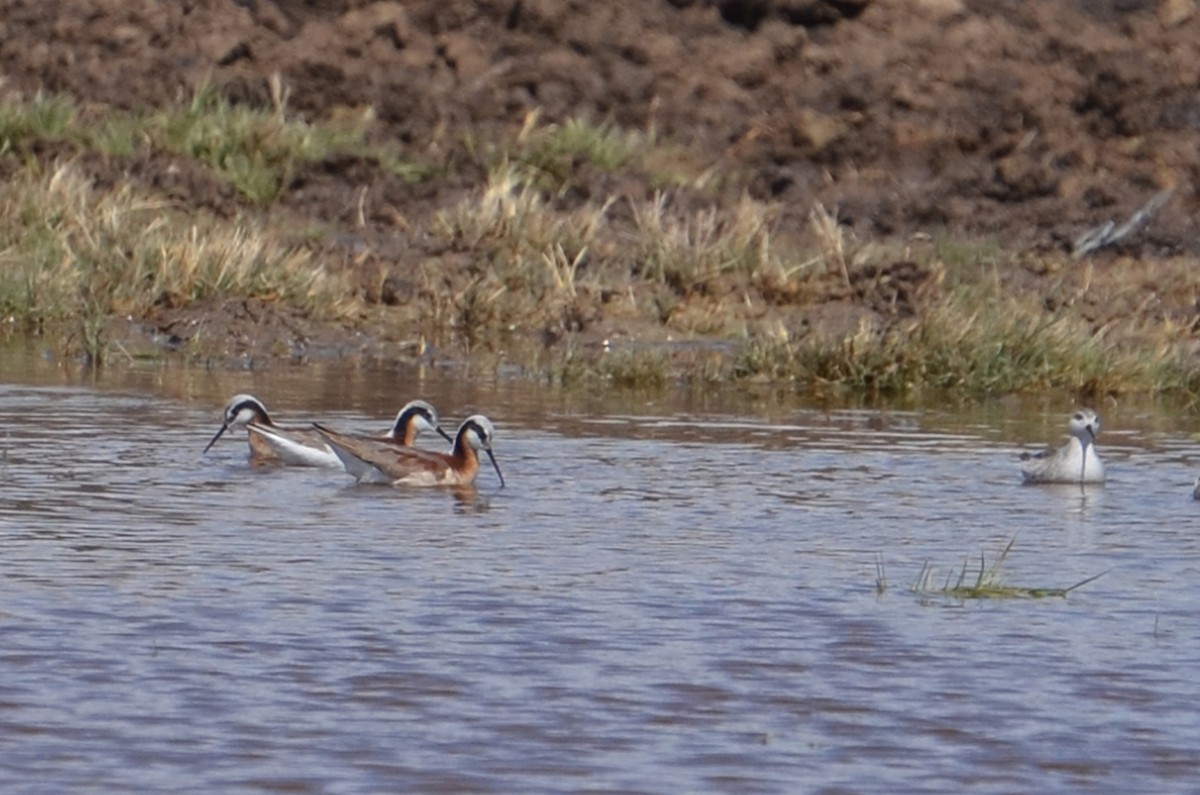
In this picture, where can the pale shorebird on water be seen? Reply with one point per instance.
(245, 411)
(377, 461)
(1075, 462)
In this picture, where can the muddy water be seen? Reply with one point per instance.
(673, 594)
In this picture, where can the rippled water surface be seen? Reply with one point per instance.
(670, 595)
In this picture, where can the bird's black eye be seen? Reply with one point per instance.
(1079, 416)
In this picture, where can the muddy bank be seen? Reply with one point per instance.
(1027, 124)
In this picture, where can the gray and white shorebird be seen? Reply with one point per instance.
(246, 411)
(1075, 462)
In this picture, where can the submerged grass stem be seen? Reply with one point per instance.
(986, 582)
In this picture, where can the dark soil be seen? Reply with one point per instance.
(1028, 122)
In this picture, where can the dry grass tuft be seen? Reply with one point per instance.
(831, 240)
(72, 254)
(688, 249)
(532, 256)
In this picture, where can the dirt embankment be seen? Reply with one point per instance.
(1030, 122)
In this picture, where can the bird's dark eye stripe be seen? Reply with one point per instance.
(416, 411)
(251, 406)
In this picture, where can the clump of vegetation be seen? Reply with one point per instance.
(688, 250)
(984, 582)
(74, 256)
(532, 256)
(43, 116)
(540, 257)
(552, 151)
(255, 150)
(576, 225)
(973, 342)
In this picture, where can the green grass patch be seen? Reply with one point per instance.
(972, 342)
(540, 251)
(44, 116)
(256, 150)
(557, 156)
(983, 582)
(554, 149)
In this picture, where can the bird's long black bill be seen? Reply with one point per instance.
(445, 435)
(497, 468)
(214, 439)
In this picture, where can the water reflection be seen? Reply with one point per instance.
(664, 592)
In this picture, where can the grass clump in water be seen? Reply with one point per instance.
(986, 582)
(636, 369)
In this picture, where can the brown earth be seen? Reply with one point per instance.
(1029, 122)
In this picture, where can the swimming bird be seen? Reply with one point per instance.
(247, 411)
(416, 416)
(310, 448)
(379, 461)
(1075, 462)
